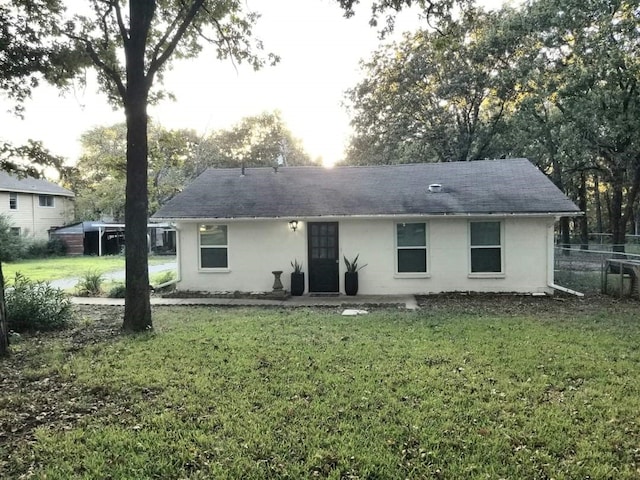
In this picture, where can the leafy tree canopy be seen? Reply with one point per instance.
(99, 177)
(556, 81)
(174, 30)
(31, 50)
(434, 96)
(175, 158)
(260, 140)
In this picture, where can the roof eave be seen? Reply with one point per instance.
(38, 192)
(554, 214)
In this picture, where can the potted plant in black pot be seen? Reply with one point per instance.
(351, 275)
(297, 279)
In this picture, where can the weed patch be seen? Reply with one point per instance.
(90, 284)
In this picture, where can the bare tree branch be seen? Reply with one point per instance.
(163, 40)
(158, 61)
(124, 33)
(108, 70)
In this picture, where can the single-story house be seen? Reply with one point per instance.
(483, 226)
(33, 205)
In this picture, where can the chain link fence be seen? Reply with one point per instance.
(581, 269)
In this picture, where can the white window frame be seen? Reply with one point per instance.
(426, 273)
(501, 246)
(13, 200)
(47, 197)
(200, 247)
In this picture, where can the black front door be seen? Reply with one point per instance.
(323, 257)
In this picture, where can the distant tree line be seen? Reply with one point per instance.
(176, 157)
(555, 81)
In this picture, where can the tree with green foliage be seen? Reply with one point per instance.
(260, 140)
(555, 81)
(99, 176)
(175, 158)
(597, 46)
(131, 44)
(31, 51)
(435, 96)
(7, 241)
(435, 12)
(581, 100)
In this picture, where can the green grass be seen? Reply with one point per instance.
(66, 267)
(440, 393)
(582, 281)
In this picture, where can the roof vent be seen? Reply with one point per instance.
(435, 188)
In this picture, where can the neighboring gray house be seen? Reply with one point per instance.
(34, 206)
(423, 228)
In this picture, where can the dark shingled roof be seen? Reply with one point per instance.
(512, 186)
(11, 183)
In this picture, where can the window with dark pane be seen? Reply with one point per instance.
(486, 247)
(323, 241)
(213, 257)
(411, 245)
(45, 200)
(213, 246)
(485, 233)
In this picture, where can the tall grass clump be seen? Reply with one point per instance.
(36, 306)
(90, 285)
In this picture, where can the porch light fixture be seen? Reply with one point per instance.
(293, 225)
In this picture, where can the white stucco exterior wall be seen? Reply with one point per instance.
(257, 247)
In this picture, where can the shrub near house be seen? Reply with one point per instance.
(36, 306)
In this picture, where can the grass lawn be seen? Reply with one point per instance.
(66, 267)
(449, 391)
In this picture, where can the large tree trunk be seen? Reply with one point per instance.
(582, 205)
(137, 311)
(621, 213)
(565, 235)
(632, 194)
(617, 220)
(598, 200)
(556, 177)
(4, 328)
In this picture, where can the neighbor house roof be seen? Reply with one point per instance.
(11, 183)
(512, 186)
